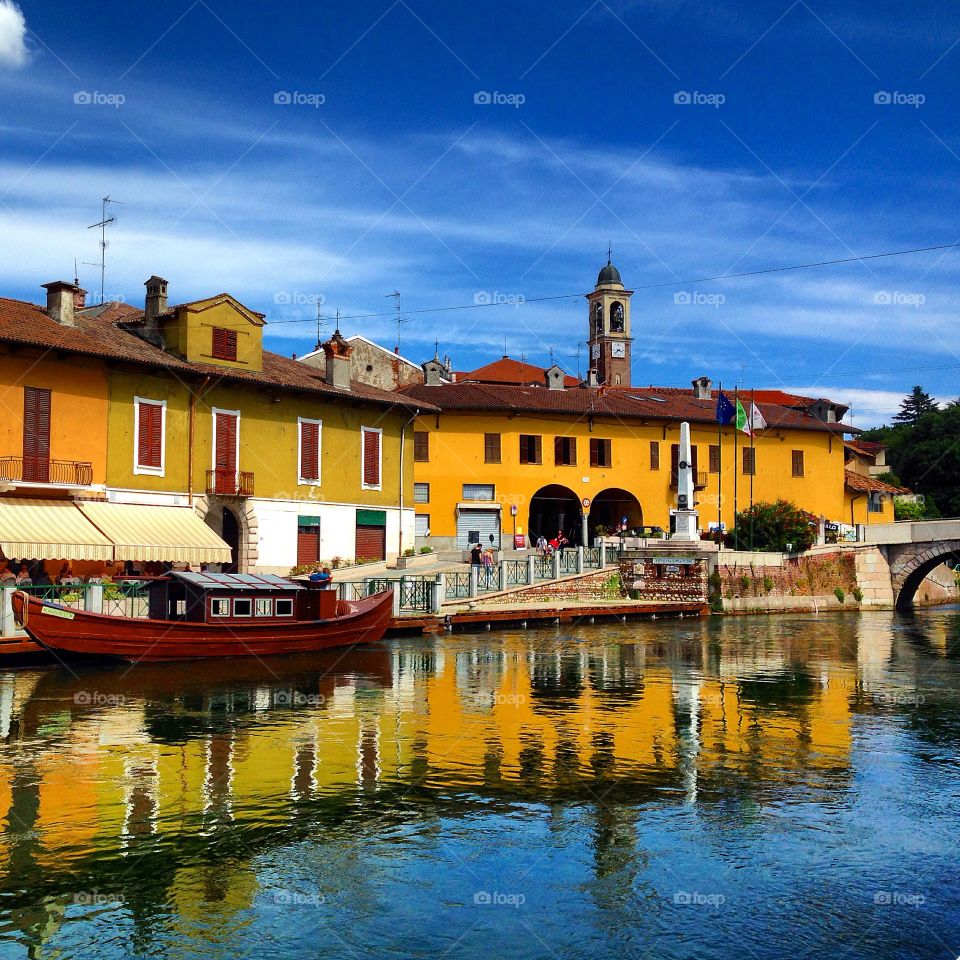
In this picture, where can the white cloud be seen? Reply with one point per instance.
(13, 29)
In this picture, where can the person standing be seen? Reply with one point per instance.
(488, 566)
(476, 559)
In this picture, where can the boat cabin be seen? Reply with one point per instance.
(233, 598)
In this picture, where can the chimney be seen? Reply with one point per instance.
(701, 388)
(79, 298)
(338, 352)
(554, 377)
(154, 306)
(60, 301)
(593, 378)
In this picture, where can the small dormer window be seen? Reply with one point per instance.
(224, 344)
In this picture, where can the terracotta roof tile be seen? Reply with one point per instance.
(508, 371)
(857, 481)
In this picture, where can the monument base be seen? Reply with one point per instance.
(686, 526)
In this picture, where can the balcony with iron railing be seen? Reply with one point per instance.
(40, 470)
(230, 483)
(700, 479)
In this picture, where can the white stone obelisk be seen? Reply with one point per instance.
(686, 525)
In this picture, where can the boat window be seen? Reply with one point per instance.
(219, 608)
(263, 608)
(242, 608)
(284, 608)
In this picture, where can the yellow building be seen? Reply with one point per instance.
(518, 451)
(183, 406)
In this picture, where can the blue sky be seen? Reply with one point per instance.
(381, 172)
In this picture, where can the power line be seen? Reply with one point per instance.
(657, 286)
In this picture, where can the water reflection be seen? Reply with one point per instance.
(157, 800)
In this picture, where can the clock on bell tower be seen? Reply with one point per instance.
(609, 337)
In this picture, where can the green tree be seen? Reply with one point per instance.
(771, 526)
(916, 403)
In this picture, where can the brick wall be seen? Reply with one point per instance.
(814, 576)
(590, 588)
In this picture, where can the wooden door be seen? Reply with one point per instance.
(36, 435)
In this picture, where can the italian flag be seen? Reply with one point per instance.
(750, 424)
(743, 421)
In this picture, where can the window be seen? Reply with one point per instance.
(148, 431)
(749, 461)
(714, 458)
(224, 344)
(530, 450)
(601, 453)
(219, 608)
(421, 446)
(875, 502)
(370, 456)
(565, 451)
(491, 448)
(36, 434)
(309, 468)
(263, 608)
(421, 493)
(654, 454)
(478, 491)
(284, 608)
(796, 458)
(242, 608)
(421, 526)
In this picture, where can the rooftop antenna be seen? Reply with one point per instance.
(76, 276)
(551, 357)
(400, 320)
(579, 345)
(322, 323)
(105, 222)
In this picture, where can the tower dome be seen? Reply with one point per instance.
(609, 274)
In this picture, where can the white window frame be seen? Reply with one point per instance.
(138, 469)
(277, 603)
(301, 480)
(237, 600)
(421, 483)
(215, 600)
(268, 601)
(213, 436)
(363, 458)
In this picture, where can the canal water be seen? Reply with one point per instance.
(752, 788)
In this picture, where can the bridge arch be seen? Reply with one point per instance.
(910, 567)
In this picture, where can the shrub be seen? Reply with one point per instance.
(839, 594)
(771, 526)
(613, 587)
(426, 549)
(409, 552)
(768, 584)
(744, 583)
(858, 594)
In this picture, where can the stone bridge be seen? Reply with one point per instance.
(909, 550)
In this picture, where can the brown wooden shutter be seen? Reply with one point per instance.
(226, 442)
(797, 457)
(309, 451)
(714, 458)
(654, 455)
(538, 449)
(421, 446)
(224, 343)
(150, 435)
(674, 464)
(36, 434)
(491, 447)
(371, 458)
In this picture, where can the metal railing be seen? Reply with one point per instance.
(41, 470)
(543, 568)
(229, 483)
(591, 558)
(700, 480)
(458, 586)
(488, 579)
(124, 598)
(611, 554)
(514, 573)
(416, 594)
(568, 561)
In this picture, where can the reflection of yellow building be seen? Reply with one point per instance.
(518, 450)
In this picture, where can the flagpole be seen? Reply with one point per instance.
(720, 468)
(736, 430)
(753, 459)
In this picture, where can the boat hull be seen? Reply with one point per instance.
(77, 633)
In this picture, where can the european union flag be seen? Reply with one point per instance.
(726, 411)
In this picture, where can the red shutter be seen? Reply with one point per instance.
(224, 343)
(371, 458)
(309, 451)
(150, 440)
(226, 442)
(36, 434)
(371, 542)
(308, 545)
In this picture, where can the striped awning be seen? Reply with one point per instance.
(49, 530)
(143, 532)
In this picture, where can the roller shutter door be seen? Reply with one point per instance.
(472, 524)
(421, 524)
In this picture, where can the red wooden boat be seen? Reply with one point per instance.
(204, 615)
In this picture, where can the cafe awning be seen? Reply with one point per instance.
(49, 530)
(145, 532)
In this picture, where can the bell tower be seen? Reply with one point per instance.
(609, 336)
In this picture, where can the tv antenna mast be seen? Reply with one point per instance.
(321, 322)
(105, 222)
(400, 320)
